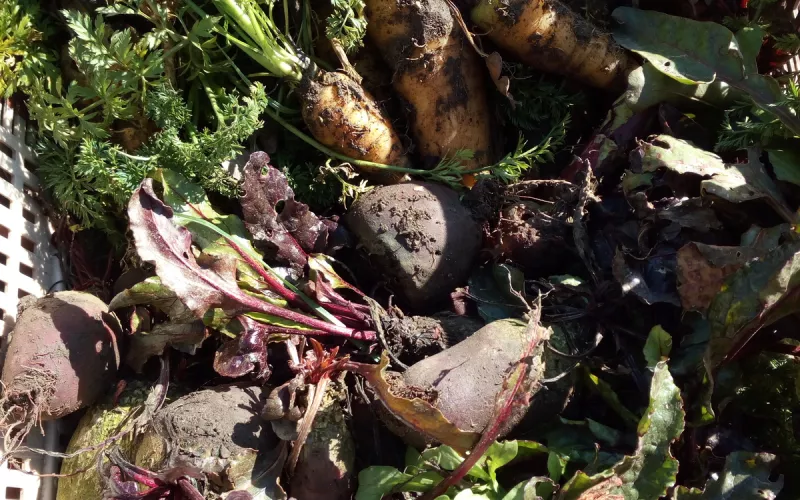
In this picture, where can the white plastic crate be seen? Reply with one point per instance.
(29, 265)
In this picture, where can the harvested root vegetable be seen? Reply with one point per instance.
(468, 377)
(61, 357)
(219, 432)
(336, 109)
(420, 234)
(438, 74)
(547, 35)
(102, 421)
(325, 465)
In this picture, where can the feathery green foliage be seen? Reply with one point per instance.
(347, 24)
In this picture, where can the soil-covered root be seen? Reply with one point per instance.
(547, 35)
(420, 236)
(99, 426)
(439, 76)
(207, 429)
(343, 116)
(326, 461)
(61, 357)
(465, 381)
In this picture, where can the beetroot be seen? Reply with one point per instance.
(61, 357)
(420, 235)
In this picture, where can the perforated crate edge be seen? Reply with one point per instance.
(29, 265)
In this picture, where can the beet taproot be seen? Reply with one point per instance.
(208, 429)
(464, 382)
(61, 357)
(420, 235)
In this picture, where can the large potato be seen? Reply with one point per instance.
(421, 235)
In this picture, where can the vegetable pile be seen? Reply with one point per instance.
(491, 249)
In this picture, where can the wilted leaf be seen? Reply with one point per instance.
(240, 356)
(745, 477)
(736, 183)
(633, 281)
(152, 292)
(760, 293)
(657, 347)
(702, 269)
(416, 412)
(648, 473)
(688, 213)
(185, 337)
(765, 239)
(695, 52)
(288, 235)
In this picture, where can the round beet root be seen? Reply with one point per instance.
(469, 376)
(420, 234)
(61, 357)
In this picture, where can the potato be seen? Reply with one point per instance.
(421, 236)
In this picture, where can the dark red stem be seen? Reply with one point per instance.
(491, 433)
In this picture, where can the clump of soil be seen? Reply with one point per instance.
(412, 338)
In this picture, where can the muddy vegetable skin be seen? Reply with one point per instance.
(422, 236)
(547, 35)
(468, 377)
(62, 354)
(439, 76)
(343, 116)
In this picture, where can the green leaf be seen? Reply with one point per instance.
(745, 477)
(535, 488)
(556, 465)
(378, 480)
(758, 294)
(495, 288)
(607, 393)
(657, 347)
(695, 52)
(442, 456)
(470, 495)
(648, 473)
(499, 454)
(604, 433)
(688, 51)
(736, 183)
(786, 165)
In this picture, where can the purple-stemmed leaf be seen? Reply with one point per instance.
(288, 234)
(206, 283)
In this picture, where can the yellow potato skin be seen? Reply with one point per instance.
(346, 118)
(439, 76)
(547, 35)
